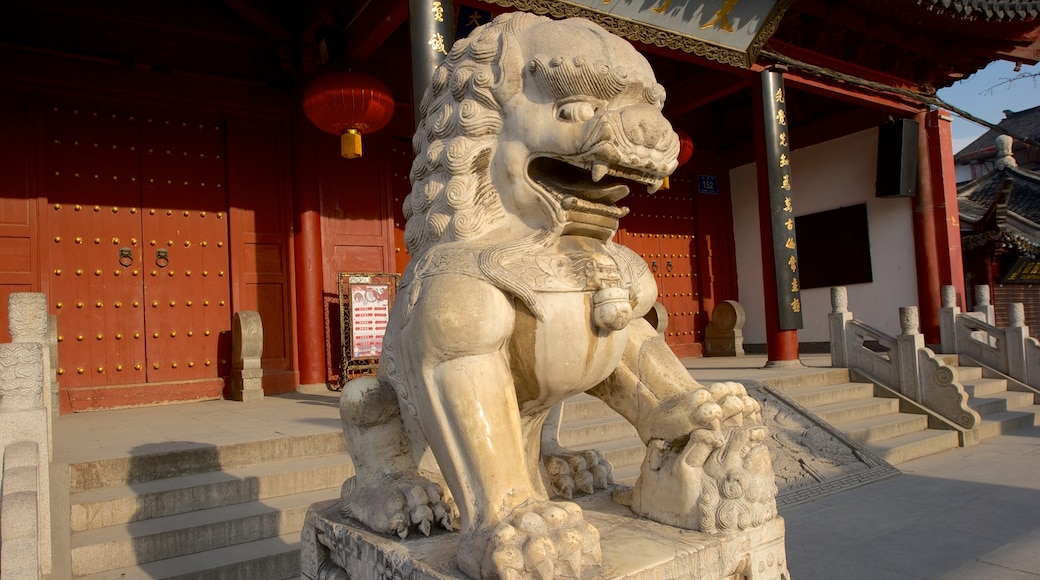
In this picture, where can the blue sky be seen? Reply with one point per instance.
(979, 95)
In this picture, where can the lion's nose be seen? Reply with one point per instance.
(645, 126)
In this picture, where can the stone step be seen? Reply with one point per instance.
(200, 458)
(821, 378)
(275, 558)
(980, 387)
(593, 432)
(1000, 402)
(156, 539)
(995, 424)
(857, 410)
(584, 407)
(828, 394)
(903, 448)
(121, 504)
(968, 373)
(874, 429)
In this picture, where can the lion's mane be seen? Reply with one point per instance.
(452, 196)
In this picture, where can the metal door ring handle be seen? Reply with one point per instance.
(126, 257)
(162, 259)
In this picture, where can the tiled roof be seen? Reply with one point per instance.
(1025, 123)
(1016, 223)
(1006, 10)
(976, 197)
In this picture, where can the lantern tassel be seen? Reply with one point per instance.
(350, 144)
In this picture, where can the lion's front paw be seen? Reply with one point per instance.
(578, 472)
(538, 540)
(396, 505)
(716, 481)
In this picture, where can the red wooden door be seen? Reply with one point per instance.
(185, 233)
(137, 256)
(661, 229)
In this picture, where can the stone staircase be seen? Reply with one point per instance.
(233, 512)
(236, 512)
(1002, 410)
(883, 425)
(873, 421)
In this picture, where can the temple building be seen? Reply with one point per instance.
(1000, 232)
(981, 155)
(163, 169)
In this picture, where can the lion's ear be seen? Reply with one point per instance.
(509, 69)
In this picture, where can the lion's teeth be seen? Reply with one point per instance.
(599, 171)
(652, 188)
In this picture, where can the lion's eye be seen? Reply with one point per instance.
(576, 111)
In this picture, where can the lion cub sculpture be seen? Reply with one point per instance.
(516, 299)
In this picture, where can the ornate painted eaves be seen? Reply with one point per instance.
(727, 31)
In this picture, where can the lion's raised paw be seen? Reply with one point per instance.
(400, 505)
(539, 540)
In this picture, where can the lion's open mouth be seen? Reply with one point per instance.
(599, 183)
(589, 194)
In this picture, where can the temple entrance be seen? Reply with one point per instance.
(136, 250)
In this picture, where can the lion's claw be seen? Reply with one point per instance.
(582, 472)
(540, 540)
(411, 502)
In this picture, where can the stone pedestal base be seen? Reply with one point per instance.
(336, 547)
(247, 385)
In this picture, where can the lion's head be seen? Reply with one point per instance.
(535, 125)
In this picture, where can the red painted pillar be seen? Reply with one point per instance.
(936, 220)
(781, 345)
(310, 318)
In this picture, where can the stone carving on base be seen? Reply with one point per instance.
(516, 299)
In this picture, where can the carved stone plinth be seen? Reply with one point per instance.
(724, 335)
(247, 347)
(335, 546)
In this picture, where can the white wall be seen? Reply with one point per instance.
(831, 175)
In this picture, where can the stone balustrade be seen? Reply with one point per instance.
(902, 363)
(1010, 350)
(25, 440)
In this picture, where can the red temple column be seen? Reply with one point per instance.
(310, 319)
(781, 345)
(936, 220)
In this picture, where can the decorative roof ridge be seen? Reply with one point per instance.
(1009, 10)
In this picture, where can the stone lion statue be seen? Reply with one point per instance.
(516, 299)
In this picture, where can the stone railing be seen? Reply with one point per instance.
(25, 528)
(902, 363)
(1010, 350)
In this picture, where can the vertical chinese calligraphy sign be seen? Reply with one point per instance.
(778, 160)
(365, 301)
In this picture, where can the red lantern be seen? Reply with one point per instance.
(350, 105)
(685, 146)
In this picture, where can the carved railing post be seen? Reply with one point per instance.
(982, 303)
(247, 347)
(837, 321)
(28, 322)
(1015, 336)
(909, 341)
(948, 320)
